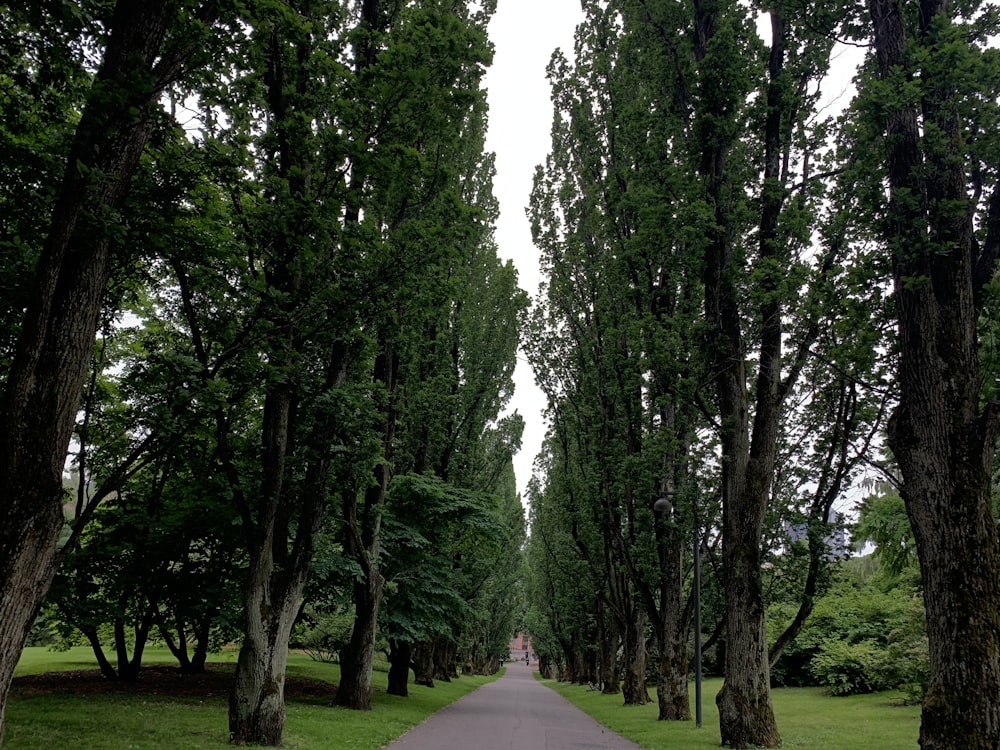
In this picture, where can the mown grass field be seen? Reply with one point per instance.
(64, 719)
(60, 720)
(807, 718)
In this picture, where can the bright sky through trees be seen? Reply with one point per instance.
(525, 33)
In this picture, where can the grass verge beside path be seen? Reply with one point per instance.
(807, 718)
(150, 721)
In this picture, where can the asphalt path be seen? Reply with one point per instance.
(515, 712)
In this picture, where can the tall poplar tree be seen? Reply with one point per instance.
(602, 256)
(293, 240)
(423, 94)
(457, 360)
(734, 136)
(934, 104)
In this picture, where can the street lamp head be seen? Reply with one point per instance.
(663, 504)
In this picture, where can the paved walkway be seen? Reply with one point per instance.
(512, 713)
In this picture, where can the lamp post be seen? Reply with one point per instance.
(696, 562)
(664, 507)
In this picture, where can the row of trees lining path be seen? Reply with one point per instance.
(745, 290)
(291, 201)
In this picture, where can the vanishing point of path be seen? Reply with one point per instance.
(512, 713)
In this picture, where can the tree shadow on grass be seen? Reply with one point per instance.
(161, 680)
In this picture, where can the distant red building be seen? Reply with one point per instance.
(520, 645)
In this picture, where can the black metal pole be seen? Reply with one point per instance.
(696, 554)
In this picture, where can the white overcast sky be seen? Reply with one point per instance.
(524, 33)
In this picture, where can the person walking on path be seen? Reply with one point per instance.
(512, 713)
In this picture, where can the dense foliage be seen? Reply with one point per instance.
(755, 293)
(249, 286)
(306, 335)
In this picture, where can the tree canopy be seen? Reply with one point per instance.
(257, 343)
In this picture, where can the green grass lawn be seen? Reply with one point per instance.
(807, 718)
(64, 721)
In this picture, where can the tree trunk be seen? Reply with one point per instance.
(400, 653)
(746, 716)
(670, 622)
(179, 647)
(274, 593)
(362, 530)
(279, 565)
(956, 541)
(672, 698)
(609, 636)
(546, 668)
(473, 664)
(130, 666)
(193, 662)
(578, 671)
(634, 660)
(673, 701)
(445, 652)
(106, 667)
(943, 441)
(200, 656)
(355, 688)
(27, 566)
(44, 383)
(423, 664)
(569, 668)
(257, 699)
(586, 666)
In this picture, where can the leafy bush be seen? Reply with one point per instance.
(851, 668)
(909, 655)
(42, 631)
(323, 635)
(867, 633)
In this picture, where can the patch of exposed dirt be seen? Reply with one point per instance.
(157, 680)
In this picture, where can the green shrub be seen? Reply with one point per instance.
(867, 633)
(911, 667)
(42, 632)
(323, 635)
(851, 668)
